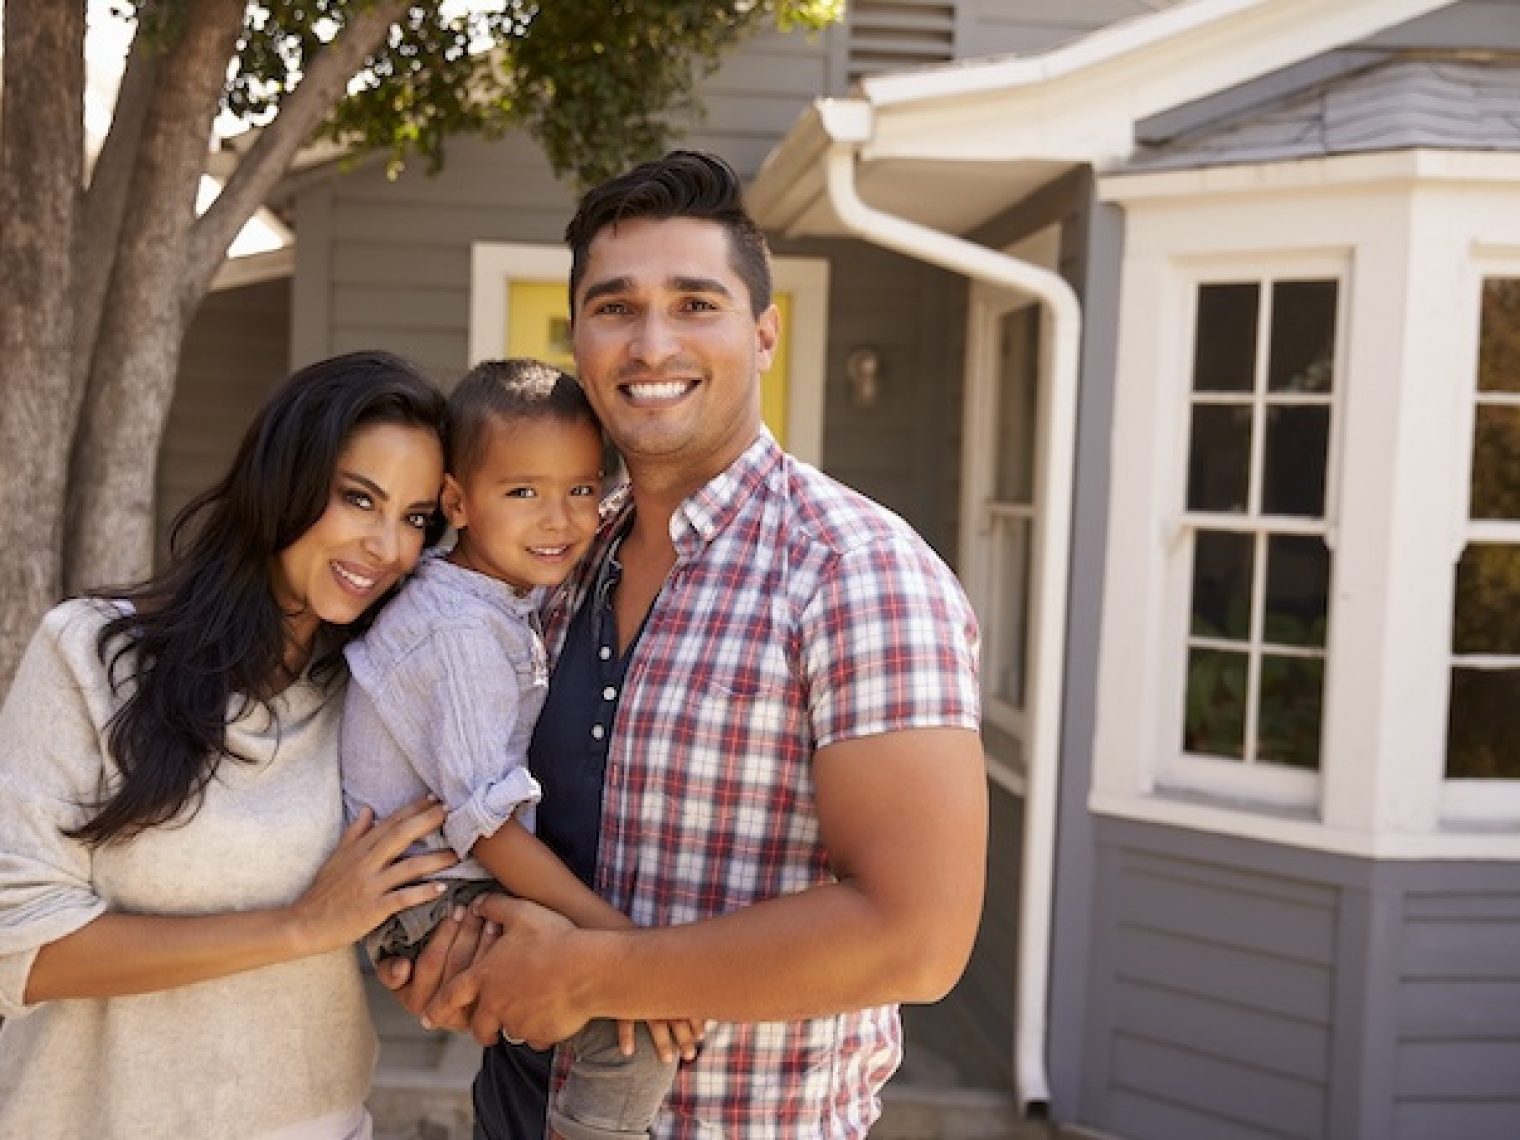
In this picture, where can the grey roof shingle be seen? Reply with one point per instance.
(1405, 102)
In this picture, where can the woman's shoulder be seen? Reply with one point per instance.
(81, 619)
(72, 629)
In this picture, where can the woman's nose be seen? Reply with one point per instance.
(383, 543)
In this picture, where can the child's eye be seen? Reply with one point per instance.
(521, 493)
(583, 489)
(361, 499)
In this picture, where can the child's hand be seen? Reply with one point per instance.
(681, 1036)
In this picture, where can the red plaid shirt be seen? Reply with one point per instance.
(798, 614)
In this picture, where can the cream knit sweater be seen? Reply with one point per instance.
(246, 1055)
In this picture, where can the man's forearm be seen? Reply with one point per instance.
(811, 954)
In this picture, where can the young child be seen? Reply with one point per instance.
(448, 682)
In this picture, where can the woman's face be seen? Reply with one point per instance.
(384, 492)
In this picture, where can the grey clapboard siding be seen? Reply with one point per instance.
(1483, 25)
(1214, 990)
(1458, 1014)
(234, 353)
(1029, 27)
(1240, 989)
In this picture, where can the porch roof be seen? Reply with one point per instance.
(952, 146)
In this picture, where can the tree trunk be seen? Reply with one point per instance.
(109, 522)
(41, 163)
(164, 268)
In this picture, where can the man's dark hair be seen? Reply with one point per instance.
(683, 184)
(515, 389)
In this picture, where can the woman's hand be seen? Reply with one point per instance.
(365, 880)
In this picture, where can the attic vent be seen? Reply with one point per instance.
(888, 35)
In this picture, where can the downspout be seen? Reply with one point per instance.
(1048, 602)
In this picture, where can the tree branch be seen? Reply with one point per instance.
(105, 204)
(268, 159)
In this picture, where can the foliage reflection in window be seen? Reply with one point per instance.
(1481, 740)
(1258, 462)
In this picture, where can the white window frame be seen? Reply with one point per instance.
(494, 265)
(1479, 802)
(977, 557)
(1414, 233)
(1218, 777)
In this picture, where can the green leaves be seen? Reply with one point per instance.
(600, 83)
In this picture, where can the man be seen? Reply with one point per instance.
(761, 741)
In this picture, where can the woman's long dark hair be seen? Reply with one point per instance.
(208, 630)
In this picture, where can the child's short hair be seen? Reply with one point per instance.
(516, 389)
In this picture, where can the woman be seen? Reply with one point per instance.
(176, 903)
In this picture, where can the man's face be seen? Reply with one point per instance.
(667, 349)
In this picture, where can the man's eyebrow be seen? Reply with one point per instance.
(700, 285)
(677, 284)
(602, 288)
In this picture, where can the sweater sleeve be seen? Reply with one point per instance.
(450, 705)
(51, 771)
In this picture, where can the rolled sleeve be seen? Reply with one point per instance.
(451, 704)
(51, 768)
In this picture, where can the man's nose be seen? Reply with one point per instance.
(655, 339)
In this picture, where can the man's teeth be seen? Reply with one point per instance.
(357, 581)
(664, 390)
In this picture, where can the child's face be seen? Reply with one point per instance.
(528, 510)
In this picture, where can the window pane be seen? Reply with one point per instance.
(1287, 731)
(1499, 336)
(1302, 349)
(1480, 736)
(1215, 719)
(1007, 635)
(1219, 459)
(1224, 345)
(1496, 463)
(1222, 585)
(1298, 590)
(1297, 445)
(1487, 615)
(1017, 393)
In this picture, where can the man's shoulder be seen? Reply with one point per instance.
(824, 511)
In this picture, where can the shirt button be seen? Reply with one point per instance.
(608, 693)
(597, 732)
(605, 653)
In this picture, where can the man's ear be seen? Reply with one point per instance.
(452, 502)
(767, 333)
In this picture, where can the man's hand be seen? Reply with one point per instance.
(458, 941)
(520, 984)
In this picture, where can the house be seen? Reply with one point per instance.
(1190, 334)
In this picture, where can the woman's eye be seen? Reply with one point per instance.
(361, 499)
(420, 520)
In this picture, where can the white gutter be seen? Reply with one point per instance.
(1048, 599)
